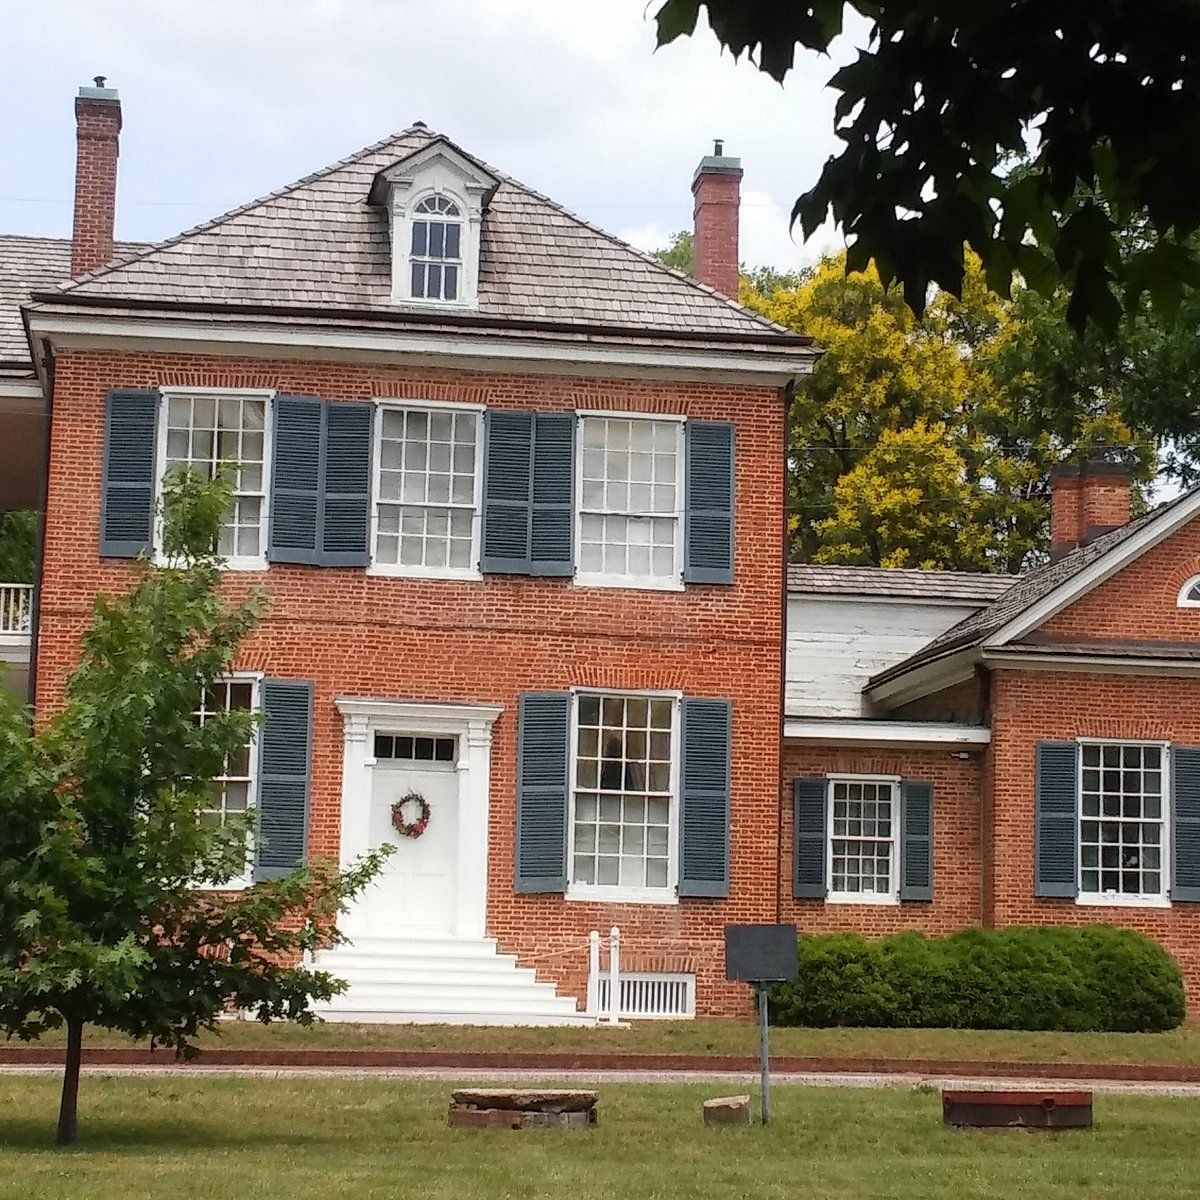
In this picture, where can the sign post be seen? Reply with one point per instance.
(762, 955)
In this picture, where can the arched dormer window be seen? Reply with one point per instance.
(1189, 594)
(435, 199)
(436, 253)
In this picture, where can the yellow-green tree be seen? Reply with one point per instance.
(924, 443)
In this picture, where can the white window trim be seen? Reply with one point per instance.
(1161, 899)
(409, 571)
(1183, 600)
(892, 896)
(267, 395)
(464, 250)
(239, 883)
(610, 893)
(583, 578)
(402, 212)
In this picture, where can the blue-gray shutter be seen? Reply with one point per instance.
(346, 500)
(809, 806)
(916, 840)
(507, 491)
(130, 455)
(1185, 823)
(704, 769)
(284, 755)
(552, 520)
(1057, 821)
(543, 752)
(708, 517)
(297, 460)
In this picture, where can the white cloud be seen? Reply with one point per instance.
(225, 100)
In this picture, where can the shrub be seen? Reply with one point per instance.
(1092, 978)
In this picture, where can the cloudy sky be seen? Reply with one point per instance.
(225, 100)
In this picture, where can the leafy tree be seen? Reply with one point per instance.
(18, 545)
(105, 846)
(679, 253)
(946, 94)
(926, 442)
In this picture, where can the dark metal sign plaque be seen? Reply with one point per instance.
(761, 953)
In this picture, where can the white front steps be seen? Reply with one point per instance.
(439, 981)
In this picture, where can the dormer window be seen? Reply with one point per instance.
(435, 200)
(436, 249)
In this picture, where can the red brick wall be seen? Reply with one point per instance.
(97, 128)
(956, 851)
(1139, 602)
(484, 641)
(1029, 707)
(715, 214)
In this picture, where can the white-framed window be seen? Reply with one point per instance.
(1123, 827)
(427, 490)
(624, 796)
(235, 789)
(435, 250)
(629, 530)
(863, 823)
(205, 429)
(1189, 594)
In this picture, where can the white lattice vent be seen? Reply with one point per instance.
(652, 995)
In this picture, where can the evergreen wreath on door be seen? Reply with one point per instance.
(415, 806)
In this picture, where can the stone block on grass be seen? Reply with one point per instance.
(727, 1110)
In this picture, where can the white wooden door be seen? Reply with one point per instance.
(415, 892)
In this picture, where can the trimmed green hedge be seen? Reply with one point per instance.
(1091, 978)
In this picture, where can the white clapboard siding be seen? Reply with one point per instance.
(836, 643)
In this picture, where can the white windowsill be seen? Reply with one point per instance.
(861, 898)
(597, 894)
(1115, 900)
(398, 571)
(631, 583)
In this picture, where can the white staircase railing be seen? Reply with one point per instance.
(611, 976)
(16, 608)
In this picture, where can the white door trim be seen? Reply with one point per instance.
(472, 725)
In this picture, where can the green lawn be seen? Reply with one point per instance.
(1181, 1046)
(216, 1138)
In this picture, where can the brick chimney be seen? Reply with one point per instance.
(1087, 499)
(717, 188)
(97, 130)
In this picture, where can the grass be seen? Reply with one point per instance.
(215, 1138)
(1180, 1046)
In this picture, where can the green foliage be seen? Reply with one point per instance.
(1091, 978)
(928, 442)
(18, 545)
(679, 253)
(104, 847)
(942, 100)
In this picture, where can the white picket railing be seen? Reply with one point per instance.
(16, 607)
(614, 995)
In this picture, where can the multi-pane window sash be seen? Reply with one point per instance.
(207, 432)
(623, 793)
(233, 788)
(436, 257)
(629, 500)
(1122, 819)
(425, 515)
(863, 817)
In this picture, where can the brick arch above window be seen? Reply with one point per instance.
(1189, 594)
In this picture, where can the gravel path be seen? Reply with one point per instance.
(854, 1080)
